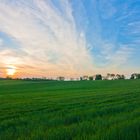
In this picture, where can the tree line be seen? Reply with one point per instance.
(109, 76)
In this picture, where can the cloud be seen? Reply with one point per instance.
(1, 42)
(111, 56)
(47, 40)
(121, 56)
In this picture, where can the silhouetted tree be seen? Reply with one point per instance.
(85, 77)
(135, 76)
(132, 76)
(9, 78)
(90, 77)
(138, 76)
(112, 76)
(122, 77)
(108, 76)
(118, 76)
(81, 78)
(98, 77)
(61, 78)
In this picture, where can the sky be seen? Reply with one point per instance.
(48, 38)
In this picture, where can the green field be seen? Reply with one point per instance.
(80, 110)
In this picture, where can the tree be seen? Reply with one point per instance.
(118, 76)
(135, 76)
(90, 77)
(61, 78)
(108, 76)
(81, 78)
(85, 77)
(132, 76)
(9, 78)
(112, 76)
(122, 77)
(138, 76)
(98, 77)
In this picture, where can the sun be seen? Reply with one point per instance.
(11, 70)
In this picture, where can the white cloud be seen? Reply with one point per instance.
(1, 42)
(121, 56)
(48, 40)
(49, 43)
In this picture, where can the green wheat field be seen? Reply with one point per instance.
(70, 110)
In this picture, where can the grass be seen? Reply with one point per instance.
(74, 110)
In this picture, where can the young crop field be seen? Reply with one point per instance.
(70, 110)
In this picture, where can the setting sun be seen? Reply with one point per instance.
(11, 70)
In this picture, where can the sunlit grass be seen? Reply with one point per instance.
(82, 110)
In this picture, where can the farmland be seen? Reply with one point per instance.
(70, 110)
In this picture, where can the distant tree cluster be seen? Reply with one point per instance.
(61, 78)
(114, 76)
(100, 77)
(109, 76)
(135, 76)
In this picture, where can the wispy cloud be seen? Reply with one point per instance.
(44, 38)
(1, 42)
(47, 40)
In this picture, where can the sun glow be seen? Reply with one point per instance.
(11, 70)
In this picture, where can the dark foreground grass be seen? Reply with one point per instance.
(80, 110)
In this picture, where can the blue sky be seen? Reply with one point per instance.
(69, 37)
